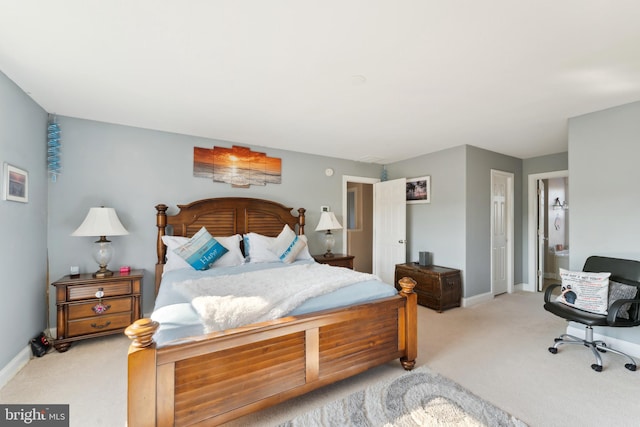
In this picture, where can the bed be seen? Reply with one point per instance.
(211, 377)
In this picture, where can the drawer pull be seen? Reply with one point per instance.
(100, 308)
(93, 325)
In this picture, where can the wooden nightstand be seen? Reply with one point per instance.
(83, 313)
(337, 260)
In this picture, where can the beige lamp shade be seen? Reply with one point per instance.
(328, 221)
(101, 222)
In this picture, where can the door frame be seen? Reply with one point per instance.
(510, 228)
(531, 284)
(361, 180)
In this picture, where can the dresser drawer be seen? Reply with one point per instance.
(99, 324)
(118, 305)
(113, 289)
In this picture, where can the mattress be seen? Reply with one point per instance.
(179, 321)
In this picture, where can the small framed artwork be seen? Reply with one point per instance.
(419, 190)
(16, 184)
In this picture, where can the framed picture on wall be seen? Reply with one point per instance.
(419, 190)
(16, 184)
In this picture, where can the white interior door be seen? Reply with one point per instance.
(499, 234)
(390, 228)
(542, 238)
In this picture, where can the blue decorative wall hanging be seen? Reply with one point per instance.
(53, 148)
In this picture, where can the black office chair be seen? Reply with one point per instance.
(622, 271)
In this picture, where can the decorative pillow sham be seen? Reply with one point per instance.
(585, 290)
(201, 250)
(621, 291)
(231, 258)
(288, 245)
(259, 248)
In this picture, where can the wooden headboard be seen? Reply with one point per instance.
(224, 216)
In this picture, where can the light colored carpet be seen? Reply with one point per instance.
(497, 350)
(419, 398)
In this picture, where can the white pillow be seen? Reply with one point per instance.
(201, 251)
(231, 258)
(287, 245)
(259, 248)
(585, 290)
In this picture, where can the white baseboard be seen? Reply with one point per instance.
(14, 366)
(477, 299)
(632, 349)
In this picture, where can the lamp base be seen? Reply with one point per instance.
(102, 273)
(328, 254)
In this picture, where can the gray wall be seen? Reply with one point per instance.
(478, 217)
(535, 165)
(132, 170)
(437, 227)
(455, 226)
(604, 150)
(23, 252)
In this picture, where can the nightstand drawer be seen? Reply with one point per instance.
(337, 260)
(118, 305)
(89, 291)
(348, 263)
(99, 324)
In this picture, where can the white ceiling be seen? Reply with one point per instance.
(367, 80)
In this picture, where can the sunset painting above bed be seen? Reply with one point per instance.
(238, 166)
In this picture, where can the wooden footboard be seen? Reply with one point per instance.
(224, 375)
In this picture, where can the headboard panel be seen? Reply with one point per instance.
(224, 216)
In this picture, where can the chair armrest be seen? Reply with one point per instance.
(549, 291)
(612, 316)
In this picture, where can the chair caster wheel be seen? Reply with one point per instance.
(553, 350)
(596, 368)
(630, 366)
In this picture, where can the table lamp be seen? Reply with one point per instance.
(101, 222)
(328, 222)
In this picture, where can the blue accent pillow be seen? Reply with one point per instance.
(288, 245)
(201, 250)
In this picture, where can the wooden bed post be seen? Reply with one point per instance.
(411, 323)
(301, 212)
(161, 222)
(141, 377)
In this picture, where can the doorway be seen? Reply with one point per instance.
(359, 225)
(386, 245)
(548, 228)
(502, 246)
(358, 214)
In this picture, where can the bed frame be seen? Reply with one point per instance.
(214, 378)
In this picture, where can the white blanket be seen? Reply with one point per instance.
(230, 301)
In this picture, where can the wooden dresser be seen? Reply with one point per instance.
(437, 287)
(88, 307)
(337, 260)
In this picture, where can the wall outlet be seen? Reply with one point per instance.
(324, 209)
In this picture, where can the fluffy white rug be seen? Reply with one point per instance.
(418, 398)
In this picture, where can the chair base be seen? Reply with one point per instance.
(595, 346)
